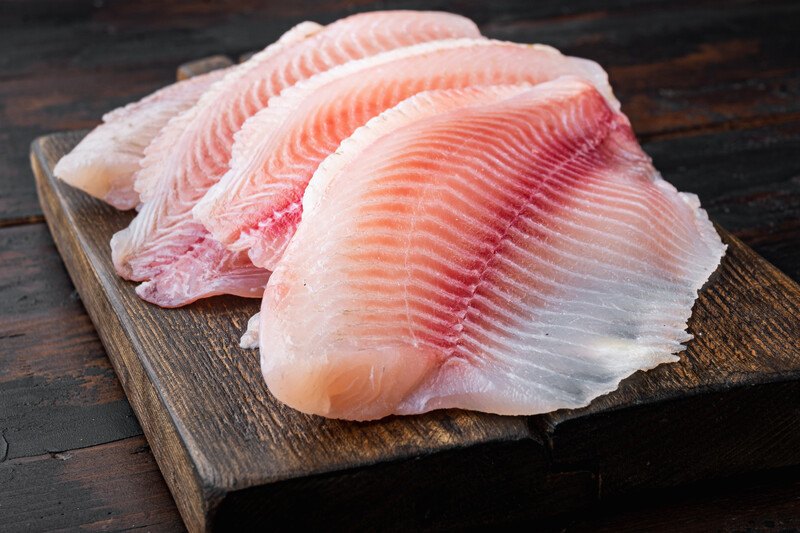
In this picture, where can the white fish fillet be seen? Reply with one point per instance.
(256, 206)
(509, 250)
(104, 163)
(164, 245)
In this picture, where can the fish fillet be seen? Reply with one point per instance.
(164, 244)
(517, 254)
(257, 204)
(104, 163)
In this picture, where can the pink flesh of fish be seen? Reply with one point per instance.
(164, 245)
(515, 255)
(103, 164)
(257, 205)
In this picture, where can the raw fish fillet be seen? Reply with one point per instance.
(104, 162)
(164, 244)
(515, 254)
(257, 205)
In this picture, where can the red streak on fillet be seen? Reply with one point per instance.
(539, 193)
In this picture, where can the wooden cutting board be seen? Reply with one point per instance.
(234, 457)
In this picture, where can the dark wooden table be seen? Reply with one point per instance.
(713, 91)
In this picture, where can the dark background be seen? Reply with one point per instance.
(713, 92)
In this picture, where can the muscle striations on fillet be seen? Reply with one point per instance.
(256, 206)
(514, 252)
(193, 152)
(104, 163)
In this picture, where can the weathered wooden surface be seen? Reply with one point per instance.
(735, 144)
(172, 369)
(746, 356)
(114, 485)
(50, 346)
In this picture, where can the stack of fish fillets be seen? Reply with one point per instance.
(432, 219)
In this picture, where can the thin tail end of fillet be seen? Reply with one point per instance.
(104, 178)
(129, 256)
(173, 287)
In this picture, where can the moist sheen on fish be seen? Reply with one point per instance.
(501, 249)
(164, 246)
(257, 205)
(105, 162)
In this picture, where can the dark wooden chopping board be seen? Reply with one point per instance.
(235, 457)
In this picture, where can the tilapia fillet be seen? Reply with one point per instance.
(257, 205)
(105, 162)
(164, 243)
(503, 249)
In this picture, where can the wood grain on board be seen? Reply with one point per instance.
(200, 399)
(712, 92)
(231, 453)
(115, 485)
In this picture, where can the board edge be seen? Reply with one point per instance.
(194, 496)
